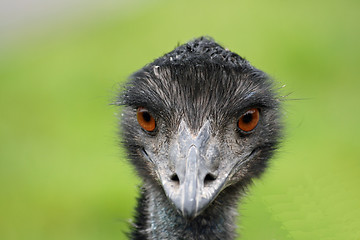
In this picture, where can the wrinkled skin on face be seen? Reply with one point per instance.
(197, 149)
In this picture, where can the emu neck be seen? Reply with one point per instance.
(158, 219)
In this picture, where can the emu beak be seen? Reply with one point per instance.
(194, 183)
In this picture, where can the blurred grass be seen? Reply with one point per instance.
(62, 175)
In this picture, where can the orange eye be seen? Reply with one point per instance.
(249, 120)
(145, 119)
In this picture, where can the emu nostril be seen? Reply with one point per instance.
(175, 178)
(209, 178)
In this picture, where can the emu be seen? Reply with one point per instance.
(198, 123)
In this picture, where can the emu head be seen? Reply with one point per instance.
(198, 120)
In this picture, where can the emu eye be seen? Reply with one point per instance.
(249, 120)
(145, 119)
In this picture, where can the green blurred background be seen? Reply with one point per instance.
(62, 173)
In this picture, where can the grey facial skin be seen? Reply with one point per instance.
(196, 163)
(193, 159)
(192, 178)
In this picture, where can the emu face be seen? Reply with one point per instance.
(197, 121)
